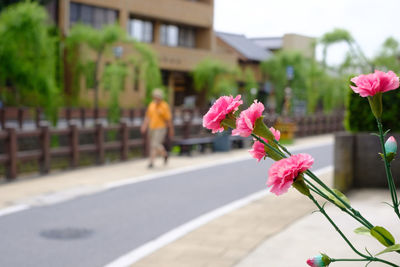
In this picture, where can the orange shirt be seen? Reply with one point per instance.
(158, 115)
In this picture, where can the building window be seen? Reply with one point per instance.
(169, 35)
(94, 16)
(141, 30)
(173, 35)
(186, 37)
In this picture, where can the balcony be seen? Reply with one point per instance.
(185, 59)
(198, 14)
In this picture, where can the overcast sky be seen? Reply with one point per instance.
(369, 21)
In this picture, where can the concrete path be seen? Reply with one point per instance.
(313, 234)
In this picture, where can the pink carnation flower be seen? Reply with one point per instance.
(246, 120)
(218, 112)
(373, 83)
(283, 172)
(258, 149)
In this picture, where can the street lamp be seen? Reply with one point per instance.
(288, 90)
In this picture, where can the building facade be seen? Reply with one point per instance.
(288, 42)
(179, 31)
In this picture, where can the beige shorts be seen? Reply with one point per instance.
(157, 137)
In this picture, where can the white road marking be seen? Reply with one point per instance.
(167, 238)
(13, 209)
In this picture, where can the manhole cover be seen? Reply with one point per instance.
(66, 233)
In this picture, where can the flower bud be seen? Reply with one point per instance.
(300, 185)
(319, 261)
(391, 148)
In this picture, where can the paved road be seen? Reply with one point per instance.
(94, 230)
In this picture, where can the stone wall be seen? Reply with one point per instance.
(358, 164)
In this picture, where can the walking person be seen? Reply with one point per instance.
(157, 121)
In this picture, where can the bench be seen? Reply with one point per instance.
(237, 141)
(187, 145)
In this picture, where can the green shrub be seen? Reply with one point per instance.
(359, 117)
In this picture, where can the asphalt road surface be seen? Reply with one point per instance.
(94, 230)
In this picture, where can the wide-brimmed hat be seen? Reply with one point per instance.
(158, 93)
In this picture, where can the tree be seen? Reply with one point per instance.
(147, 62)
(212, 78)
(113, 81)
(250, 83)
(355, 52)
(275, 70)
(310, 83)
(6, 3)
(98, 41)
(28, 58)
(388, 57)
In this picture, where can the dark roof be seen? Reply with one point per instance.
(245, 46)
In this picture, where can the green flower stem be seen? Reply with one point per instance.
(333, 260)
(322, 184)
(366, 257)
(322, 210)
(282, 147)
(355, 212)
(316, 190)
(269, 146)
(392, 186)
(371, 259)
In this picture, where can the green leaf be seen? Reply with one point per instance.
(395, 247)
(390, 205)
(387, 131)
(369, 253)
(383, 236)
(362, 231)
(336, 200)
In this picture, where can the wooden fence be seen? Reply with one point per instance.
(22, 115)
(318, 124)
(127, 137)
(43, 155)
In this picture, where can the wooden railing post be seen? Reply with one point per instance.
(45, 146)
(20, 117)
(187, 118)
(74, 144)
(3, 118)
(83, 116)
(12, 154)
(100, 142)
(96, 114)
(68, 115)
(124, 140)
(131, 115)
(37, 117)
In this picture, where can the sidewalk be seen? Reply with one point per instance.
(313, 234)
